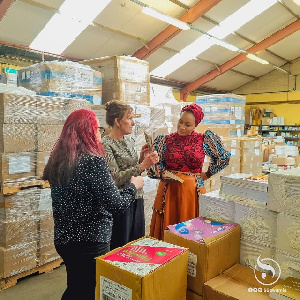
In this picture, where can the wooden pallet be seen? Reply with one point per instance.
(13, 188)
(8, 282)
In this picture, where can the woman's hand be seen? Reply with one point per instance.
(144, 152)
(149, 160)
(203, 176)
(138, 181)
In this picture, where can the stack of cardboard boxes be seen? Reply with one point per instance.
(124, 78)
(63, 79)
(30, 125)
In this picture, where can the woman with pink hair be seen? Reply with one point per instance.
(183, 153)
(84, 199)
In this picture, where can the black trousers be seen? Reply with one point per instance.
(79, 258)
(129, 225)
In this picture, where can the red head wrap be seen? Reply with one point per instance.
(196, 110)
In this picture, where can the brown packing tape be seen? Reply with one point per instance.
(6, 204)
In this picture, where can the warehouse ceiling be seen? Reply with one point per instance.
(187, 59)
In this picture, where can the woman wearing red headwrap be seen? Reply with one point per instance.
(183, 154)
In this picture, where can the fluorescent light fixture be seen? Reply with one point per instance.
(281, 70)
(165, 18)
(256, 58)
(225, 45)
(65, 26)
(239, 18)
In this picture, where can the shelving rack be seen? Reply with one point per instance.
(291, 133)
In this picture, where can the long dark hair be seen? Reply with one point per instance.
(78, 137)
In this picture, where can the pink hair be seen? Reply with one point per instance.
(78, 137)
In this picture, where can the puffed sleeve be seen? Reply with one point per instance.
(159, 145)
(104, 188)
(214, 148)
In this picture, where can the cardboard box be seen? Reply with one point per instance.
(161, 283)
(17, 109)
(18, 232)
(17, 138)
(41, 161)
(210, 259)
(124, 78)
(59, 76)
(15, 166)
(221, 131)
(75, 104)
(283, 195)
(190, 295)
(51, 110)
(47, 136)
(47, 251)
(14, 261)
(266, 121)
(238, 282)
(285, 161)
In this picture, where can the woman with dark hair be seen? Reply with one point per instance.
(183, 153)
(84, 197)
(124, 162)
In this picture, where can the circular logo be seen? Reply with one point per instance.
(264, 266)
(161, 253)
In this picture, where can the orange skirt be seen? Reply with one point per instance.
(175, 202)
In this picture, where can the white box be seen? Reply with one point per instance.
(288, 234)
(258, 225)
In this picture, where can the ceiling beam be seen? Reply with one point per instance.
(195, 12)
(4, 6)
(271, 40)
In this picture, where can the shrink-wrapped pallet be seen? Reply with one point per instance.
(284, 191)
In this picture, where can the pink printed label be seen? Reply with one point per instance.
(199, 228)
(144, 254)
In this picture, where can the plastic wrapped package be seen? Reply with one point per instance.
(41, 161)
(63, 79)
(46, 248)
(47, 135)
(223, 111)
(217, 207)
(289, 264)
(283, 195)
(242, 187)
(257, 223)
(23, 205)
(150, 189)
(124, 78)
(17, 138)
(250, 251)
(14, 89)
(17, 167)
(17, 259)
(20, 231)
(288, 234)
(75, 104)
(251, 156)
(18, 108)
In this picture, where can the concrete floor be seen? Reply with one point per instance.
(45, 286)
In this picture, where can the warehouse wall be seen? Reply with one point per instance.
(288, 110)
(276, 90)
(275, 81)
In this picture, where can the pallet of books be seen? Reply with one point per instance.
(30, 125)
(124, 78)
